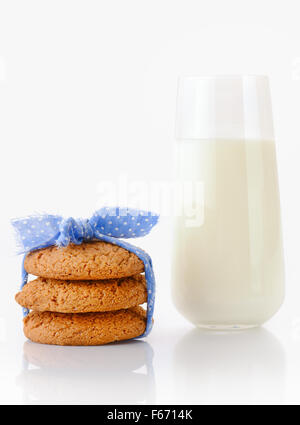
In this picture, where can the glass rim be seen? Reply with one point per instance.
(222, 76)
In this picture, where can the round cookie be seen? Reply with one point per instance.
(88, 261)
(86, 328)
(65, 296)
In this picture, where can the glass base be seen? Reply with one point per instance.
(233, 327)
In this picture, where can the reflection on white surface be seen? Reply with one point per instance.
(246, 366)
(116, 373)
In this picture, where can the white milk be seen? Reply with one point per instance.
(228, 265)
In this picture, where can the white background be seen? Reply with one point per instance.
(87, 94)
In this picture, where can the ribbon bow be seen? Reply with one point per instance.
(107, 224)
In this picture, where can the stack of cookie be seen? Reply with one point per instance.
(88, 294)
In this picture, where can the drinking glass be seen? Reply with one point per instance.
(228, 270)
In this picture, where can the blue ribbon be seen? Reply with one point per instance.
(108, 224)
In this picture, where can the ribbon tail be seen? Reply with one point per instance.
(23, 283)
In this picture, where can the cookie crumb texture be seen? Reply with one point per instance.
(65, 296)
(86, 328)
(88, 261)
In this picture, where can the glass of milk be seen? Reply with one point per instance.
(228, 270)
